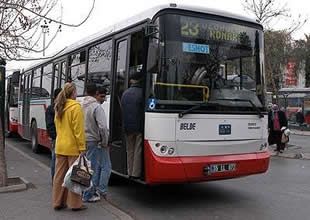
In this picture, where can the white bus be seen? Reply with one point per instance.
(200, 123)
(11, 102)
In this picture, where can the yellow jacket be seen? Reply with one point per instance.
(70, 130)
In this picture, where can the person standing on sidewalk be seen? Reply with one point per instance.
(132, 115)
(51, 130)
(96, 133)
(70, 143)
(276, 120)
(105, 166)
(300, 118)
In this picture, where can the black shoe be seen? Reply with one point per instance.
(83, 207)
(57, 208)
(281, 151)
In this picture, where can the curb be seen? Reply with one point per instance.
(116, 211)
(107, 205)
(300, 156)
(23, 185)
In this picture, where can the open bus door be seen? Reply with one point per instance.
(128, 56)
(118, 149)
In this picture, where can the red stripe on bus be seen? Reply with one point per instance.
(43, 138)
(13, 127)
(191, 169)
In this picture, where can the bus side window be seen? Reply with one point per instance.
(47, 80)
(99, 64)
(77, 71)
(63, 74)
(36, 83)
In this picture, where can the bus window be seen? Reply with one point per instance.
(56, 76)
(63, 74)
(47, 80)
(136, 53)
(99, 64)
(77, 71)
(36, 84)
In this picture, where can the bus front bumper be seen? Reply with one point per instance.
(201, 168)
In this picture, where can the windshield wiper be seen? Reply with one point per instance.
(197, 106)
(259, 113)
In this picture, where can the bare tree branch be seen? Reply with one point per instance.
(21, 22)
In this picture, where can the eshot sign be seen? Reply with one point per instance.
(196, 48)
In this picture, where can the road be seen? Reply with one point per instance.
(281, 193)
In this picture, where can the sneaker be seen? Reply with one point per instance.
(95, 198)
(103, 195)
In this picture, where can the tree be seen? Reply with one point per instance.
(278, 43)
(20, 23)
(277, 48)
(268, 12)
(307, 65)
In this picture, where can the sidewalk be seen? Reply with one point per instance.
(292, 151)
(35, 203)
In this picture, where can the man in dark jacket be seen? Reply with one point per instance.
(51, 130)
(132, 115)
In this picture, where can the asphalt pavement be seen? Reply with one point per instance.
(35, 202)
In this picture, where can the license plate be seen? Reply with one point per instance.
(216, 168)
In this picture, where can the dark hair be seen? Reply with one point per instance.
(56, 92)
(102, 90)
(136, 75)
(91, 89)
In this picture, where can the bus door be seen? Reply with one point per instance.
(26, 107)
(128, 57)
(118, 149)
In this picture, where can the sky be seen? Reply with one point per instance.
(109, 12)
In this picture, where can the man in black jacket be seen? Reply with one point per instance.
(132, 115)
(51, 129)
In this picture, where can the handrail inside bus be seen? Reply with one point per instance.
(205, 89)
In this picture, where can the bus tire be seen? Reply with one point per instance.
(34, 137)
(115, 179)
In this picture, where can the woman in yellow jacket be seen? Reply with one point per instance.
(70, 143)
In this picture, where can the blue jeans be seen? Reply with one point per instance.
(104, 170)
(101, 165)
(53, 142)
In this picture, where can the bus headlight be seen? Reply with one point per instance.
(163, 149)
(171, 151)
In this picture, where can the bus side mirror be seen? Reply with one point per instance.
(152, 58)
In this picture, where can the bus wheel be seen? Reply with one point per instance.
(116, 180)
(34, 137)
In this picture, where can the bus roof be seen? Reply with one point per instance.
(148, 14)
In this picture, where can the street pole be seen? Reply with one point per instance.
(45, 30)
(3, 168)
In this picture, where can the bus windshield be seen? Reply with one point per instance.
(207, 61)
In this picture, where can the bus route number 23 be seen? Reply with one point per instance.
(190, 29)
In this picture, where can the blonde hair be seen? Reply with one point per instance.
(66, 93)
